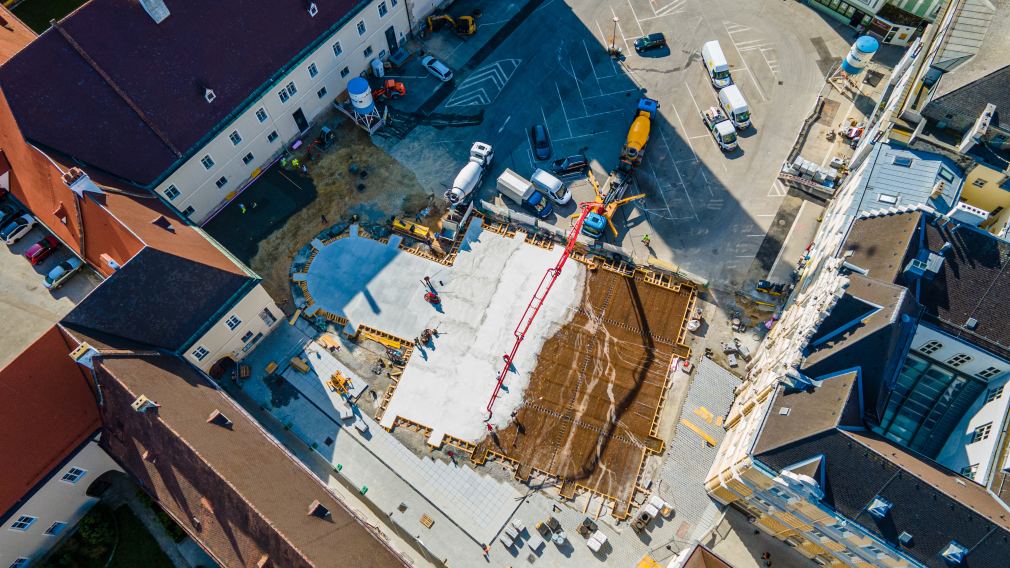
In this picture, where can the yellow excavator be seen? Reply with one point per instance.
(462, 25)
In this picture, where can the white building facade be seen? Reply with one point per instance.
(238, 332)
(54, 508)
(217, 172)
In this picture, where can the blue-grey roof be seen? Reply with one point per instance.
(896, 176)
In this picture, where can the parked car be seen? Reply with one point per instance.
(437, 68)
(42, 249)
(8, 211)
(649, 42)
(575, 164)
(17, 228)
(62, 272)
(541, 142)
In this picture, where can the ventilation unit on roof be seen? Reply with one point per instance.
(784, 411)
(156, 9)
(208, 95)
(915, 267)
(934, 262)
(143, 404)
(971, 323)
(954, 552)
(905, 538)
(968, 214)
(879, 507)
(317, 509)
(313, 9)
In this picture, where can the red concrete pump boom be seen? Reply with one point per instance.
(537, 301)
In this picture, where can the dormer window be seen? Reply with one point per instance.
(313, 9)
(954, 553)
(209, 96)
(879, 507)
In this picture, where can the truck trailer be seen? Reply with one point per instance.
(521, 192)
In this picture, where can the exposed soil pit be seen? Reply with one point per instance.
(267, 238)
(590, 412)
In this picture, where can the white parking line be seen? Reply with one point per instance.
(640, 30)
(684, 128)
(590, 58)
(737, 29)
(582, 136)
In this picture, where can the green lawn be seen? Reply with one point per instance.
(102, 532)
(38, 13)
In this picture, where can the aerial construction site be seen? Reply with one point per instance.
(512, 345)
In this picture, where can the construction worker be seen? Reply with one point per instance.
(646, 240)
(241, 207)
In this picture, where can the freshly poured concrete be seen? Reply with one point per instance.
(483, 294)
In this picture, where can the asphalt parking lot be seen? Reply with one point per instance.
(26, 307)
(546, 62)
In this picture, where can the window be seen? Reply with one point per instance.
(19, 563)
(887, 198)
(235, 137)
(979, 182)
(267, 317)
(221, 182)
(73, 475)
(361, 28)
(344, 72)
(261, 115)
(171, 192)
(872, 549)
(188, 211)
(994, 394)
(232, 322)
(248, 335)
(272, 136)
(247, 158)
(283, 95)
(22, 523)
(946, 175)
(321, 92)
(291, 88)
(980, 433)
(958, 360)
(393, 3)
(905, 161)
(207, 161)
(988, 373)
(969, 470)
(382, 9)
(56, 528)
(313, 70)
(930, 347)
(337, 50)
(200, 353)
(382, 54)
(368, 51)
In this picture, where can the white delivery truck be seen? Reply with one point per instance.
(731, 100)
(716, 65)
(552, 186)
(521, 192)
(469, 178)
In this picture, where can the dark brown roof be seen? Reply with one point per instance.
(798, 414)
(702, 557)
(47, 410)
(973, 283)
(272, 485)
(62, 102)
(879, 244)
(158, 299)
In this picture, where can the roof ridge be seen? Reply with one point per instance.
(115, 87)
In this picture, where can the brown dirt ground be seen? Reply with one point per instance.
(390, 189)
(588, 411)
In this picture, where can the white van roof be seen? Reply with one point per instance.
(545, 180)
(713, 51)
(733, 97)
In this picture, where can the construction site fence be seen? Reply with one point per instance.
(560, 234)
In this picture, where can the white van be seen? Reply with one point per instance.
(716, 65)
(552, 186)
(731, 100)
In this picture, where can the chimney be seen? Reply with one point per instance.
(156, 9)
(79, 182)
(143, 404)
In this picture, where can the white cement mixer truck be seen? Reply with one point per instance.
(469, 178)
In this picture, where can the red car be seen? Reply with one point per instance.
(42, 249)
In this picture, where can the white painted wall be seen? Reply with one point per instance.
(55, 501)
(197, 185)
(220, 340)
(951, 346)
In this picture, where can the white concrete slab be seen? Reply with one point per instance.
(484, 295)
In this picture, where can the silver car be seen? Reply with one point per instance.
(17, 228)
(62, 272)
(437, 68)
